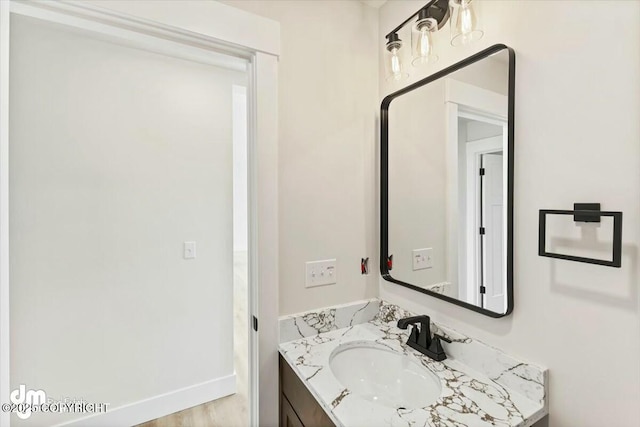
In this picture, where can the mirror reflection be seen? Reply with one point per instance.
(448, 166)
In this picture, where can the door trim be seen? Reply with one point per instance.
(475, 150)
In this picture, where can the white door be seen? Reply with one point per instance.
(493, 242)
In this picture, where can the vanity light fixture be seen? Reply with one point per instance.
(464, 22)
(422, 39)
(394, 60)
(464, 26)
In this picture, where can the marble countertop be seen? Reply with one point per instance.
(481, 386)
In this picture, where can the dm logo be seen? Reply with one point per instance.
(26, 399)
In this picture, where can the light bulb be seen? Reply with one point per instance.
(467, 19)
(395, 69)
(422, 37)
(424, 43)
(464, 23)
(396, 66)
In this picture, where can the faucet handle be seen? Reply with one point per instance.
(443, 338)
(422, 320)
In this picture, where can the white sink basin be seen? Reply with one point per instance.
(383, 376)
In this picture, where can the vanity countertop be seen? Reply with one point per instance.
(481, 386)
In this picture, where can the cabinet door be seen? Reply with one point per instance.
(306, 407)
(288, 417)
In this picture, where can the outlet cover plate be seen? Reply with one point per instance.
(422, 258)
(320, 273)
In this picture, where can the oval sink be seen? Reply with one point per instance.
(383, 376)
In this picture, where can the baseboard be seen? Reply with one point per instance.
(159, 406)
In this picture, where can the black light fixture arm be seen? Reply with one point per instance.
(436, 9)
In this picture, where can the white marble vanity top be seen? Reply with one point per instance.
(481, 386)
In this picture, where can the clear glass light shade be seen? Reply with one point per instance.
(465, 23)
(422, 42)
(393, 60)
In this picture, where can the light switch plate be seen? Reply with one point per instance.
(422, 258)
(189, 250)
(319, 273)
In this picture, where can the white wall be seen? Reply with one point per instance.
(577, 132)
(327, 154)
(115, 162)
(475, 130)
(417, 184)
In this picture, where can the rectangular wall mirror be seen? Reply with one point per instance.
(447, 183)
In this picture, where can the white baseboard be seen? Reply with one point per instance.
(159, 406)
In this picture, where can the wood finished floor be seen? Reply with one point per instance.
(230, 411)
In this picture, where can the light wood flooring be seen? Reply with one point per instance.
(230, 411)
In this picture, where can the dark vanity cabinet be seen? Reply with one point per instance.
(288, 417)
(298, 408)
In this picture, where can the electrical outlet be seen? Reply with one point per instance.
(319, 273)
(422, 258)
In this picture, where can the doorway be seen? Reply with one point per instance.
(482, 162)
(260, 72)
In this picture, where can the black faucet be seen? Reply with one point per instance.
(420, 339)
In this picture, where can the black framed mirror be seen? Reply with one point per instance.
(446, 176)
